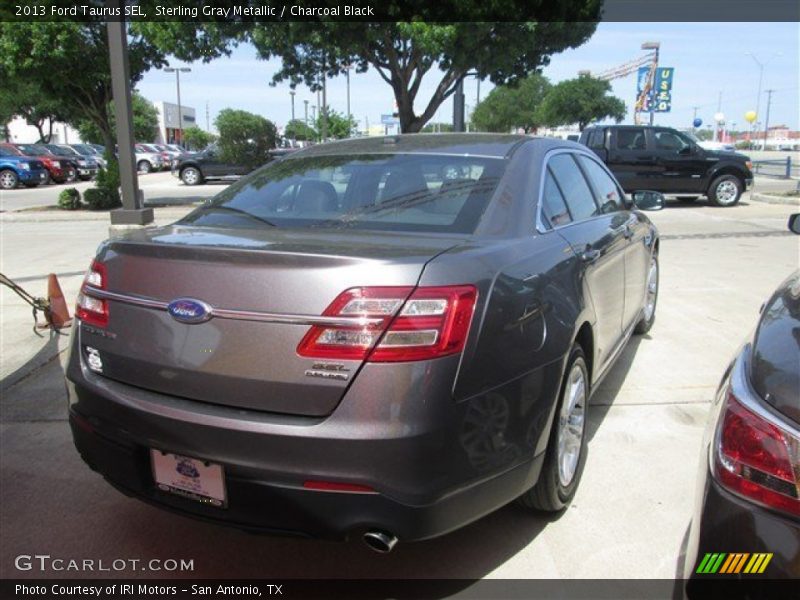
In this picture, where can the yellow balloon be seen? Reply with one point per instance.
(750, 116)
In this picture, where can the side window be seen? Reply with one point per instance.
(631, 138)
(669, 140)
(596, 139)
(554, 208)
(606, 191)
(573, 185)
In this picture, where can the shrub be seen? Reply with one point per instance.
(101, 199)
(69, 199)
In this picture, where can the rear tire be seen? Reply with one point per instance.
(725, 190)
(8, 179)
(191, 176)
(650, 300)
(144, 166)
(566, 450)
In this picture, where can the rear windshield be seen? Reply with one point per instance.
(400, 192)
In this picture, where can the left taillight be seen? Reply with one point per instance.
(757, 459)
(92, 309)
(394, 324)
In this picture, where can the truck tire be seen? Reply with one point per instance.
(191, 176)
(8, 179)
(725, 190)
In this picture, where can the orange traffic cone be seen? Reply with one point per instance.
(58, 313)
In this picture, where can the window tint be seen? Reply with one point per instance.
(670, 140)
(631, 139)
(596, 139)
(577, 194)
(606, 191)
(554, 208)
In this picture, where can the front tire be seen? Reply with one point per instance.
(650, 299)
(144, 166)
(191, 176)
(8, 179)
(725, 190)
(566, 451)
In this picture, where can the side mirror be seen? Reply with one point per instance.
(794, 223)
(647, 200)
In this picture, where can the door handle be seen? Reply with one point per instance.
(589, 255)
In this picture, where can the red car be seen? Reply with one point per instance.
(58, 170)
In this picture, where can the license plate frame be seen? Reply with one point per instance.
(192, 478)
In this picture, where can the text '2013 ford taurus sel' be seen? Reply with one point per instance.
(383, 337)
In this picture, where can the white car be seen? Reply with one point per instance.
(147, 161)
(717, 146)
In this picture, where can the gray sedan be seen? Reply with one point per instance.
(384, 337)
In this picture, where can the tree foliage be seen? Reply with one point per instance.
(512, 107)
(244, 138)
(402, 53)
(298, 129)
(339, 125)
(20, 97)
(582, 101)
(197, 139)
(145, 122)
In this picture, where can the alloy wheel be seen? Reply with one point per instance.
(571, 423)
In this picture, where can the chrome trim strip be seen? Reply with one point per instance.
(244, 315)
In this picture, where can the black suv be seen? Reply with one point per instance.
(196, 167)
(668, 161)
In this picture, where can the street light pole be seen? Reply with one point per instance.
(347, 77)
(292, 93)
(766, 118)
(306, 118)
(178, 71)
(760, 81)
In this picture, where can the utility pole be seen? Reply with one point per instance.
(292, 93)
(478, 94)
(306, 118)
(347, 77)
(766, 119)
(178, 71)
(458, 106)
(761, 78)
(208, 120)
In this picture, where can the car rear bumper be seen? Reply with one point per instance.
(417, 453)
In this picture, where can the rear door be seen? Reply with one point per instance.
(631, 160)
(597, 238)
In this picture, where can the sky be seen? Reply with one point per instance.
(708, 58)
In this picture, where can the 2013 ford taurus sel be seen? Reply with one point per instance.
(383, 337)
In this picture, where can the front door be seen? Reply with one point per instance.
(682, 166)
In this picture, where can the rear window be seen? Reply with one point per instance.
(402, 192)
(631, 139)
(575, 190)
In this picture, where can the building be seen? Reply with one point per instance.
(20, 132)
(169, 130)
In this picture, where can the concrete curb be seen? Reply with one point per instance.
(771, 199)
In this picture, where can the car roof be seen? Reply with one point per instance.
(491, 145)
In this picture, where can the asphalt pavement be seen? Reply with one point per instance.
(629, 518)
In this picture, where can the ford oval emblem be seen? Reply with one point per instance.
(188, 310)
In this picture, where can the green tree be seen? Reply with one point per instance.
(339, 125)
(145, 122)
(22, 98)
(402, 53)
(69, 62)
(244, 138)
(299, 130)
(581, 100)
(512, 107)
(196, 138)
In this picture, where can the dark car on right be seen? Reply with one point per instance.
(669, 161)
(746, 524)
(194, 168)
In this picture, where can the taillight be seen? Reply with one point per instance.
(394, 324)
(757, 459)
(91, 309)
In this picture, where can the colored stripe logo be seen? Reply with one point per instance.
(734, 563)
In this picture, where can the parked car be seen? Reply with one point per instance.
(18, 169)
(390, 337)
(669, 161)
(716, 146)
(194, 168)
(148, 160)
(167, 154)
(88, 151)
(58, 169)
(85, 166)
(748, 494)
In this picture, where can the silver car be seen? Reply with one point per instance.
(387, 338)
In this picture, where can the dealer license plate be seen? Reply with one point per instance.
(191, 478)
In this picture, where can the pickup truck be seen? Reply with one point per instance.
(668, 161)
(16, 169)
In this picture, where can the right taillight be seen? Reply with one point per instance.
(91, 309)
(757, 459)
(394, 324)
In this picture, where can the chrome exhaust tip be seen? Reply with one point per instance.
(380, 541)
